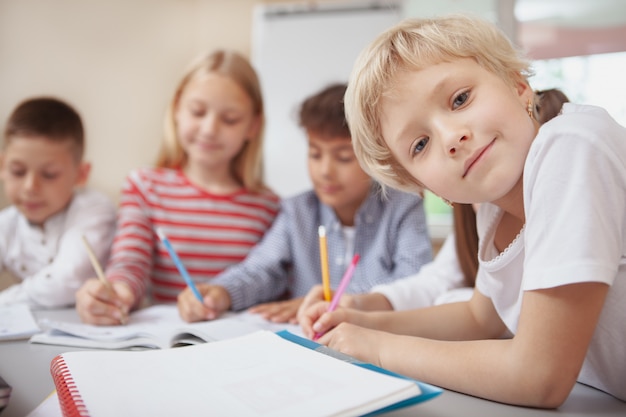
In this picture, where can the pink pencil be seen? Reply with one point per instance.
(345, 280)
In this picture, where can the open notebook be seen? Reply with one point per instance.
(155, 327)
(259, 374)
(17, 322)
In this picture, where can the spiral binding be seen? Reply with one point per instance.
(71, 402)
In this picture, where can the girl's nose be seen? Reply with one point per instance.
(209, 124)
(455, 145)
(451, 130)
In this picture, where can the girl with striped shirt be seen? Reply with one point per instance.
(206, 193)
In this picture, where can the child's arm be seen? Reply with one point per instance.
(91, 214)
(538, 367)
(423, 288)
(479, 319)
(131, 258)
(367, 302)
(415, 291)
(263, 275)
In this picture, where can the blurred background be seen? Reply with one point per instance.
(118, 61)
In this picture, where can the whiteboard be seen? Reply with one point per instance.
(298, 49)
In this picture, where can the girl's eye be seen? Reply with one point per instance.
(420, 145)
(197, 112)
(50, 175)
(18, 173)
(460, 100)
(231, 120)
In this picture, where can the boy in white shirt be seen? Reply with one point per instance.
(42, 170)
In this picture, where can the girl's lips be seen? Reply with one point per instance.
(475, 157)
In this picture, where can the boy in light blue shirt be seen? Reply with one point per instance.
(389, 231)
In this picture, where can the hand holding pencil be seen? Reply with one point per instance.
(345, 280)
(193, 304)
(99, 301)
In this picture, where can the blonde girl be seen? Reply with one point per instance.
(206, 193)
(445, 104)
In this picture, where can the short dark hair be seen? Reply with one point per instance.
(49, 117)
(323, 113)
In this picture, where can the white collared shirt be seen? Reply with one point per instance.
(51, 261)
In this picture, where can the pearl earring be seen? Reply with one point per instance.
(530, 109)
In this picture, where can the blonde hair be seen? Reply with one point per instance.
(248, 164)
(411, 45)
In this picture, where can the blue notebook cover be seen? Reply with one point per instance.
(428, 391)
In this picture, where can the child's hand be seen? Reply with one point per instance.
(97, 304)
(358, 342)
(315, 295)
(216, 300)
(279, 311)
(317, 319)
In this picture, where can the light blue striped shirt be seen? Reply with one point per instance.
(391, 237)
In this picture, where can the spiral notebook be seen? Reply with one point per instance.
(259, 374)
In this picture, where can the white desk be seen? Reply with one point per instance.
(26, 367)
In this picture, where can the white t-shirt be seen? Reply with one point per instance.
(575, 206)
(52, 261)
(437, 282)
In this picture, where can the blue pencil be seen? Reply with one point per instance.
(179, 264)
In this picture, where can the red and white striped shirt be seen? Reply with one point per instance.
(209, 232)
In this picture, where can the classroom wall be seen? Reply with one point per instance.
(116, 61)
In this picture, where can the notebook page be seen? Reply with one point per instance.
(17, 322)
(150, 324)
(259, 374)
(156, 326)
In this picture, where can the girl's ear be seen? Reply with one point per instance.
(84, 169)
(522, 88)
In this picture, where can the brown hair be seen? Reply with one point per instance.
(548, 103)
(324, 114)
(466, 241)
(49, 117)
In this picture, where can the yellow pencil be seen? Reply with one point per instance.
(324, 260)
